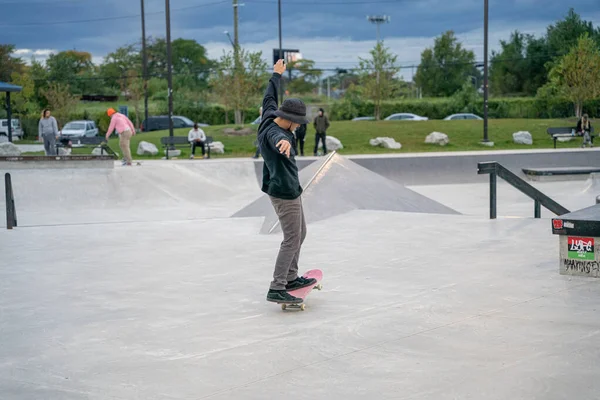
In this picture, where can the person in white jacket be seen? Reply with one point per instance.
(197, 137)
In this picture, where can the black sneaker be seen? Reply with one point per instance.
(299, 283)
(281, 296)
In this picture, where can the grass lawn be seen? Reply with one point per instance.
(464, 136)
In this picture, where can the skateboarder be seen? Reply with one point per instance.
(123, 125)
(280, 181)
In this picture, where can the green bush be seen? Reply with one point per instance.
(525, 107)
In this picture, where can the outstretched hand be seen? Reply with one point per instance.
(279, 67)
(284, 147)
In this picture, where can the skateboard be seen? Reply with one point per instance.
(303, 292)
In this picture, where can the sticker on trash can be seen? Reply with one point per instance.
(581, 248)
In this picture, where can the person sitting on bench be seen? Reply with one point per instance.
(197, 137)
(584, 128)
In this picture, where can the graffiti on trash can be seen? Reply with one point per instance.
(587, 267)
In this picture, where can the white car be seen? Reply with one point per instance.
(462, 116)
(78, 129)
(406, 117)
(17, 131)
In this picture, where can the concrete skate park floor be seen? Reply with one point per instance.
(167, 301)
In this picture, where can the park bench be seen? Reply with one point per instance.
(170, 142)
(93, 141)
(566, 132)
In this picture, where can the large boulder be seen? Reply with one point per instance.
(217, 147)
(437, 138)
(147, 149)
(333, 143)
(523, 137)
(64, 151)
(385, 142)
(9, 149)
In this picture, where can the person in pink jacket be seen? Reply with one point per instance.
(126, 130)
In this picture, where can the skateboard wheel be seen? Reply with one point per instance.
(283, 307)
(302, 307)
(319, 287)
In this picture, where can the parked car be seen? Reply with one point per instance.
(78, 129)
(363, 119)
(462, 116)
(161, 122)
(406, 117)
(17, 131)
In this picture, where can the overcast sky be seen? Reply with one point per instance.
(334, 33)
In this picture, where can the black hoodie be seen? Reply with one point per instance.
(280, 174)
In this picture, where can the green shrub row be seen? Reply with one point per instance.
(441, 108)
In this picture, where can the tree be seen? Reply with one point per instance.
(118, 63)
(307, 77)
(564, 35)
(377, 76)
(8, 63)
(445, 67)
(189, 58)
(135, 91)
(23, 102)
(68, 67)
(60, 100)
(577, 74)
(508, 69)
(240, 88)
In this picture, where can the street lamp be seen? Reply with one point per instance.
(169, 66)
(485, 71)
(145, 65)
(378, 20)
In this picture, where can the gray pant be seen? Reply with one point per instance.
(293, 225)
(50, 145)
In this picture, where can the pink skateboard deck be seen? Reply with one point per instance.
(303, 292)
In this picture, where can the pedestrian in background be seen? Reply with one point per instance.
(321, 125)
(48, 132)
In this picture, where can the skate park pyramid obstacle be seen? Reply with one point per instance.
(335, 186)
(592, 185)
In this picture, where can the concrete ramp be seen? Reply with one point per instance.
(336, 186)
(592, 185)
(154, 191)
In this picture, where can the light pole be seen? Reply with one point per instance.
(378, 20)
(169, 66)
(145, 64)
(485, 71)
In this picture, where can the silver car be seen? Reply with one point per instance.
(78, 129)
(462, 116)
(17, 131)
(405, 117)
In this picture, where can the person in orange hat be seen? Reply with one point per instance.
(125, 129)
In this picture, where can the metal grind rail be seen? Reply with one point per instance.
(540, 199)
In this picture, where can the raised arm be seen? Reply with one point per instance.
(270, 101)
